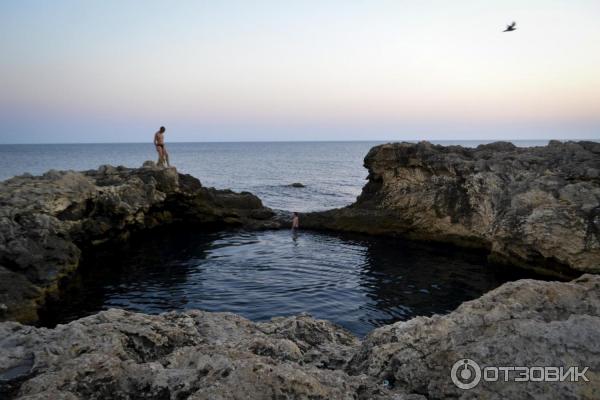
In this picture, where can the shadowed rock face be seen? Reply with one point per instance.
(46, 221)
(200, 355)
(535, 207)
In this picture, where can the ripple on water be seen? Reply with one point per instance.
(355, 281)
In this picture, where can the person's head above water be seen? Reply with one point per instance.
(162, 129)
(295, 214)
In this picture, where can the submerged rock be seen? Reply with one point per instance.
(46, 221)
(201, 355)
(536, 207)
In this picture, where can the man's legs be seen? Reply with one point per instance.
(161, 158)
(166, 156)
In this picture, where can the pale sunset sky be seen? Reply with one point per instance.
(114, 71)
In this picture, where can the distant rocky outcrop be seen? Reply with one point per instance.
(200, 355)
(538, 207)
(46, 221)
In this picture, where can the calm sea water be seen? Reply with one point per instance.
(333, 172)
(358, 282)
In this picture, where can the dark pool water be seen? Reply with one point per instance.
(355, 281)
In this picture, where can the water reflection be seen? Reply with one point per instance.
(355, 281)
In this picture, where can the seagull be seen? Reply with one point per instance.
(511, 27)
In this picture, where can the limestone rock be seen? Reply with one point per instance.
(201, 355)
(46, 221)
(523, 323)
(537, 207)
(197, 355)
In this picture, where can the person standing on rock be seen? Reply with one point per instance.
(295, 222)
(159, 142)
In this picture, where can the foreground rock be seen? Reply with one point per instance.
(46, 221)
(199, 355)
(523, 323)
(536, 207)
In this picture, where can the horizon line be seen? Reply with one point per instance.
(317, 141)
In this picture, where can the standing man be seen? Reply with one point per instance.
(159, 142)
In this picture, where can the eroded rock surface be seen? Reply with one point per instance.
(120, 355)
(199, 355)
(522, 323)
(537, 207)
(45, 221)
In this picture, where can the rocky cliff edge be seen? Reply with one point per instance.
(537, 207)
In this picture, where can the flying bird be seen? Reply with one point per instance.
(511, 27)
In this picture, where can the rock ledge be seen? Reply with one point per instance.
(46, 221)
(536, 207)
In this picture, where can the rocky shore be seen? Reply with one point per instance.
(48, 221)
(536, 207)
(199, 355)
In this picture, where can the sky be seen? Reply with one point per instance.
(114, 71)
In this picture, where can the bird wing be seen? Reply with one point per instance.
(513, 24)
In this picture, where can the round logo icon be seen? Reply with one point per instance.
(465, 374)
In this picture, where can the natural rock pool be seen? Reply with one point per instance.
(355, 281)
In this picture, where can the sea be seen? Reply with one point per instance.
(332, 172)
(355, 281)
